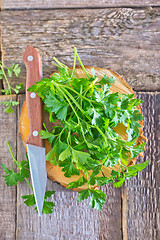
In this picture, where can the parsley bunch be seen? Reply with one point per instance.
(84, 139)
(12, 177)
(4, 70)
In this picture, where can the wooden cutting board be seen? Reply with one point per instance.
(54, 172)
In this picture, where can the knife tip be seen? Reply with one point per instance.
(39, 214)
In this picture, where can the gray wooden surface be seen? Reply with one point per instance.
(70, 220)
(143, 202)
(31, 4)
(124, 39)
(131, 212)
(8, 196)
(123, 35)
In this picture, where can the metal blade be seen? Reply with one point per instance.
(38, 173)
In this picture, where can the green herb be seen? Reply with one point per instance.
(84, 139)
(89, 113)
(12, 178)
(97, 198)
(4, 71)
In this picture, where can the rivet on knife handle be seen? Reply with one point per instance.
(33, 64)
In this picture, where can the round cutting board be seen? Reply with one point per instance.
(54, 172)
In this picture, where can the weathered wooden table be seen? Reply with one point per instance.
(123, 35)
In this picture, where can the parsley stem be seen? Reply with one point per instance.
(17, 163)
(80, 95)
(68, 138)
(60, 64)
(78, 118)
(69, 102)
(100, 131)
(74, 65)
(14, 160)
(87, 179)
(9, 87)
(71, 97)
(91, 85)
(75, 51)
(74, 101)
(28, 183)
(80, 108)
(60, 134)
(122, 165)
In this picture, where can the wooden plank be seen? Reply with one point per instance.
(70, 219)
(7, 194)
(143, 200)
(125, 39)
(0, 49)
(17, 4)
(110, 218)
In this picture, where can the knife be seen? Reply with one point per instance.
(35, 148)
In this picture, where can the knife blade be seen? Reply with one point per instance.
(35, 148)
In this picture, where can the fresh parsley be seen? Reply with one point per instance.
(4, 71)
(12, 177)
(84, 139)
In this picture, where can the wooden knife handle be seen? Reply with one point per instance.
(33, 64)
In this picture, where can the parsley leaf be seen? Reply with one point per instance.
(4, 70)
(80, 182)
(11, 178)
(136, 150)
(103, 180)
(78, 156)
(65, 154)
(29, 200)
(132, 170)
(97, 198)
(69, 168)
(47, 206)
(119, 181)
(59, 107)
(24, 169)
(107, 80)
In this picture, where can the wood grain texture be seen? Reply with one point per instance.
(17, 4)
(7, 194)
(125, 39)
(143, 200)
(70, 219)
(110, 217)
(124, 212)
